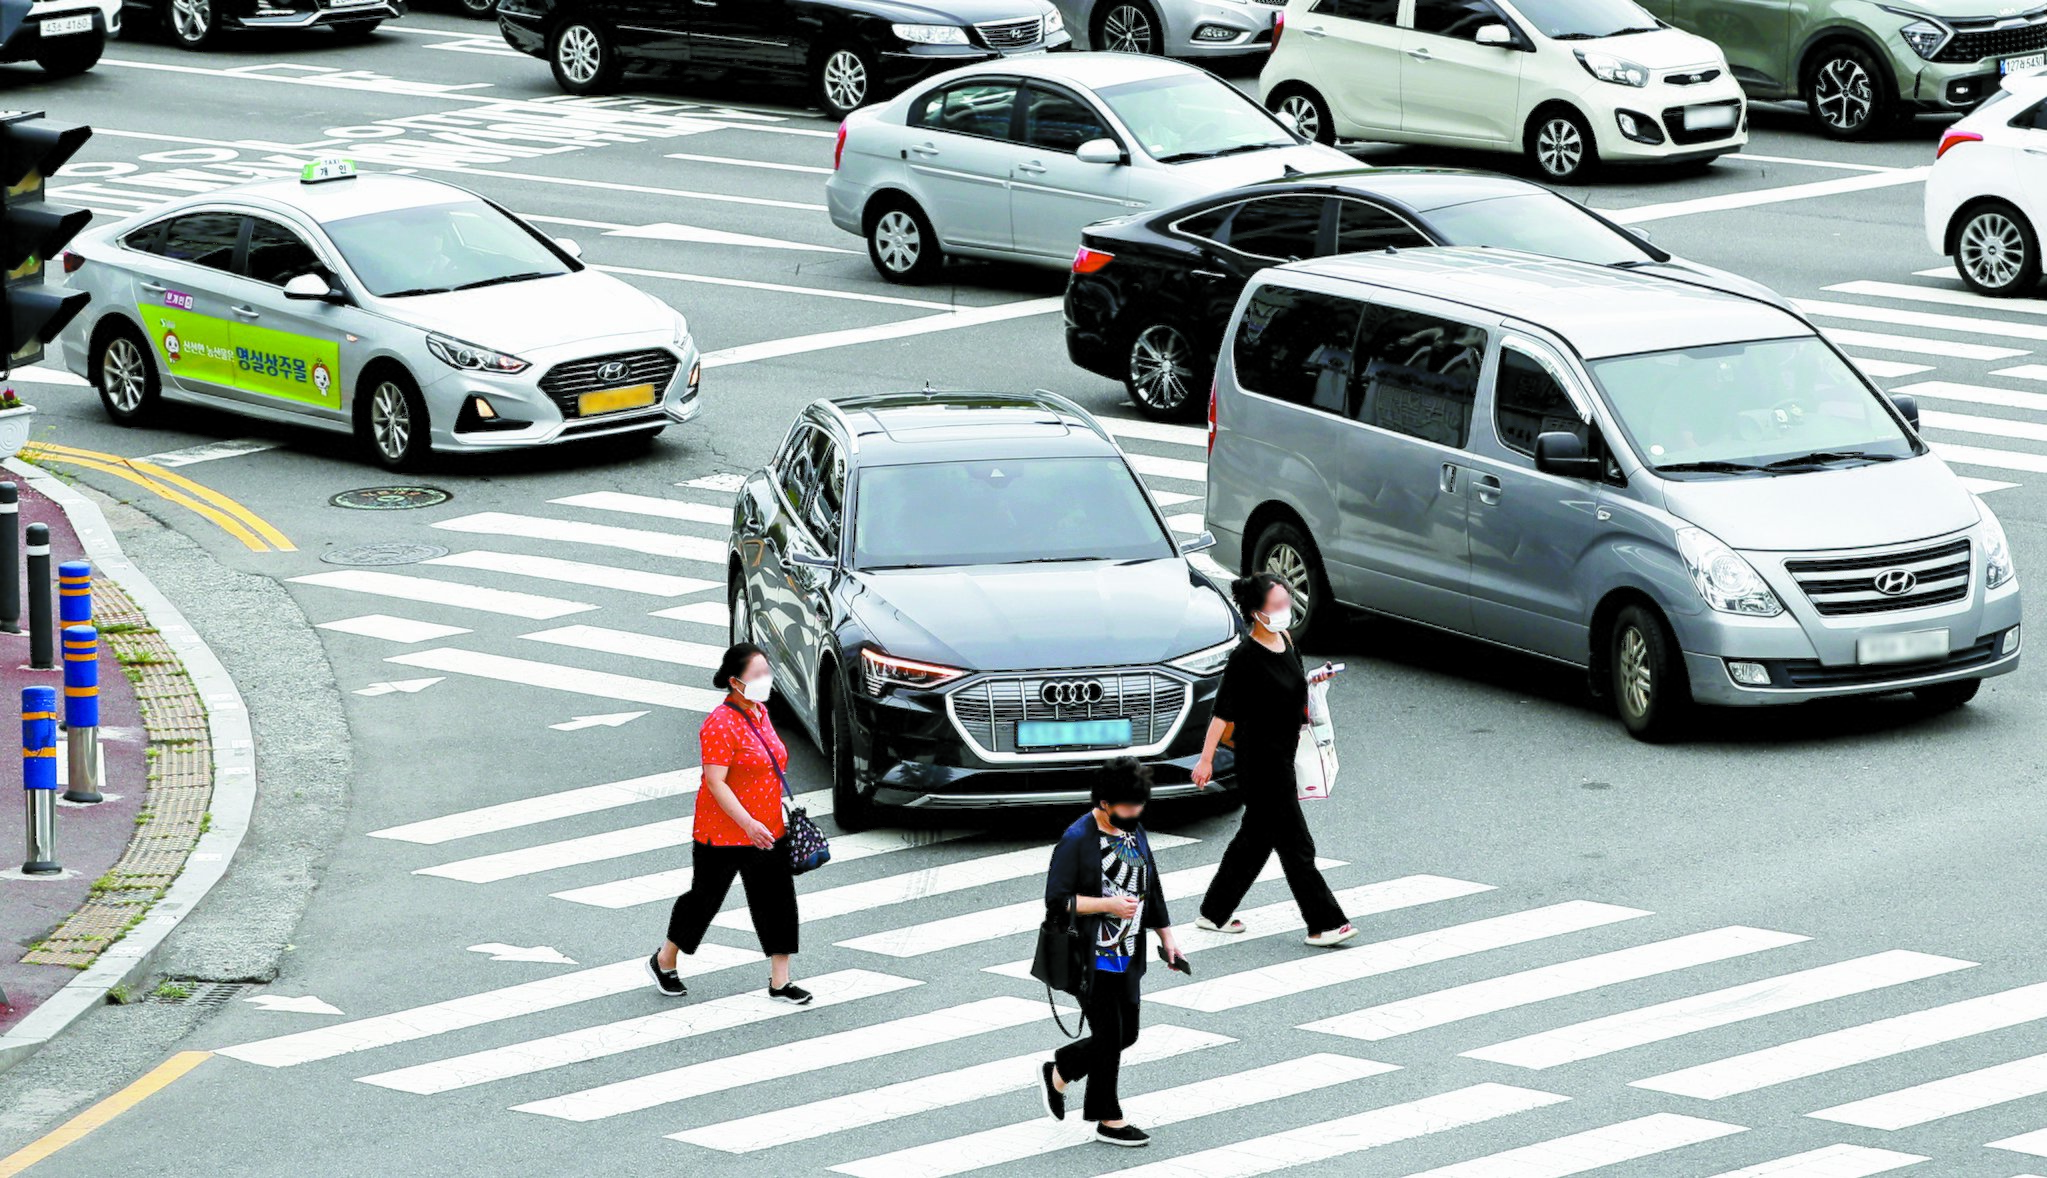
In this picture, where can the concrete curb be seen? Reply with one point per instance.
(234, 783)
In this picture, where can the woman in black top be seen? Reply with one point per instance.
(1264, 693)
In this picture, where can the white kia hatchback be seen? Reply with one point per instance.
(1008, 159)
(1986, 197)
(1571, 83)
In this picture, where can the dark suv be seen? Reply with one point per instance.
(969, 600)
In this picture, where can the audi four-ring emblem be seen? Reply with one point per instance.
(612, 370)
(1896, 582)
(1064, 693)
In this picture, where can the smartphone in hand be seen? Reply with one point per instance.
(1176, 964)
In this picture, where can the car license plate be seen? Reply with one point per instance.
(2031, 61)
(61, 25)
(1911, 647)
(613, 400)
(1041, 734)
(1709, 118)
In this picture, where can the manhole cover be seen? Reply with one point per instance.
(391, 498)
(383, 554)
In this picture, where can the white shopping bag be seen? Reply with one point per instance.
(1315, 756)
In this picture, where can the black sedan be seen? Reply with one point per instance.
(970, 601)
(846, 52)
(1152, 293)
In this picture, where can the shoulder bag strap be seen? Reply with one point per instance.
(765, 747)
(1073, 930)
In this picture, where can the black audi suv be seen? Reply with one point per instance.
(970, 600)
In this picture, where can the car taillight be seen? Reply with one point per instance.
(1211, 418)
(1087, 261)
(72, 262)
(1954, 137)
(839, 148)
(1278, 26)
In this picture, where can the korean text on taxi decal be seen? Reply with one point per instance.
(178, 299)
(270, 364)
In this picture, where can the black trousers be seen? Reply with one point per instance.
(1112, 1029)
(1273, 824)
(770, 896)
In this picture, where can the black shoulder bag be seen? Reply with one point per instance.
(801, 840)
(1064, 962)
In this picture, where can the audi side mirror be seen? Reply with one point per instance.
(1563, 454)
(1908, 407)
(1194, 544)
(1100, 151)
(806, 560)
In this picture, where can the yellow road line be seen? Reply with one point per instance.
(238, 521)
(106, 1110)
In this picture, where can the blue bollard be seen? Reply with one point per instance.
(74, 592)
(39, 778)
(82, 713)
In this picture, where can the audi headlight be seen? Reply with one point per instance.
(1608, 68)
(1924, 34)
(930, 34)
(1998, 570)
(883, 671)
(469, 357)
(1208, 661)
(1726, 581)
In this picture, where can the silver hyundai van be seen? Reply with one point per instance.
(1687, 491)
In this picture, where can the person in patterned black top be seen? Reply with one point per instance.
(1104, 868)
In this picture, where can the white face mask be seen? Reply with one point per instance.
(758, 690)
(1280, 619)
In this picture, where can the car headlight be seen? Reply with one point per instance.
(1925, 35)
(1998, 570)
(1726, 581)
(683, 340)
(1208, 661)
(469, 357)
(1055, 23)
(883, 671)
(930, 34)
(1608, 68)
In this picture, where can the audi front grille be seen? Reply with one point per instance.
(986, 712)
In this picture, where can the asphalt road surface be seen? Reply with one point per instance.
(1580, 953)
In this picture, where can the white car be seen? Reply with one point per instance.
(1010, 158)
(1986, 197)
(1570, 83)
(413, 313)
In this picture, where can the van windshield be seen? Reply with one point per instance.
(1740, 410)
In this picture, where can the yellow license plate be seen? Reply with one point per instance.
(612, 400)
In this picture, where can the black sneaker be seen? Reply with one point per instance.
(665, 980)
(1128, 1136)
(792, 993)
(1055, 1100)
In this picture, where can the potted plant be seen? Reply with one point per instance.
(14, 422)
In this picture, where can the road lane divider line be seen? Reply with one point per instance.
(900, 329)
(1755, 197)
(568, 803)
(252, 530)
(775, 287)
(70, 1132)
(728, 161)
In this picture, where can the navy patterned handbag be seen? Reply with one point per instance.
(801, 840)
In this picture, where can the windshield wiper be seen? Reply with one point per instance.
(504, 278)
(1822, 457)
(417, 290)
(1183, 156)
(1054, 559)
(1575, 37)
(1711, 466)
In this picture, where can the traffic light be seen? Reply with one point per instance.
(32, 232)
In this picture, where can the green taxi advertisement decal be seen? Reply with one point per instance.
(241, 355)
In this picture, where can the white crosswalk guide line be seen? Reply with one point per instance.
(2034, 1143)
(855, 1110)
(577, 680)
(545, 808)
(1970, 423)
(475, 1010)
(1832, 1161)
(450, 593)
(1288, 978)
(607, 1039)
(569, 531)
(1717, 1008)
(1948, 390)
(703, 613)
(1996, 459)
(390, 629)
(1919, 345)
(1155, 431)
(624, 642)
(1169, 468)
(1204, 1098)
(1820, 308)
(917, 1032)
(652, 505)
(1608, 1145)
(1550, 981)
(575, 572)
(1855, 1045)
(1935, 294)
(1948, 1097)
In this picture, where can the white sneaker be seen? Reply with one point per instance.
(1335, 936)
(1234, 926)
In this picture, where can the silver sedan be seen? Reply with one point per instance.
(415, 314)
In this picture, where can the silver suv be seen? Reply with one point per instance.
(1688, 491)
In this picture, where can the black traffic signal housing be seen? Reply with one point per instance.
(33, 231)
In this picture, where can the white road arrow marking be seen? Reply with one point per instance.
(540, 954)
(613, 720)
(305, 1005)
(407, 686)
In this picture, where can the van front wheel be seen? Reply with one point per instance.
(1287, 554)
(1650, 689)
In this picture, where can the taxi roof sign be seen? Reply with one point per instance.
(320, 171)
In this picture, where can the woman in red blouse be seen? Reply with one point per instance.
(737, 832)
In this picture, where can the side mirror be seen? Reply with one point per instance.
(311, 287)
(1642, 233)
(1908, 405)
(805, 560)
(568, 246)
(1194, 544)
(1563, 454)
(1289, 120)
(1099, 151)
(1495, 35)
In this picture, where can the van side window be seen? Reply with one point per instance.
(1527, 400)
(1296, 345)
(1418, 375)
(1378, 12)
